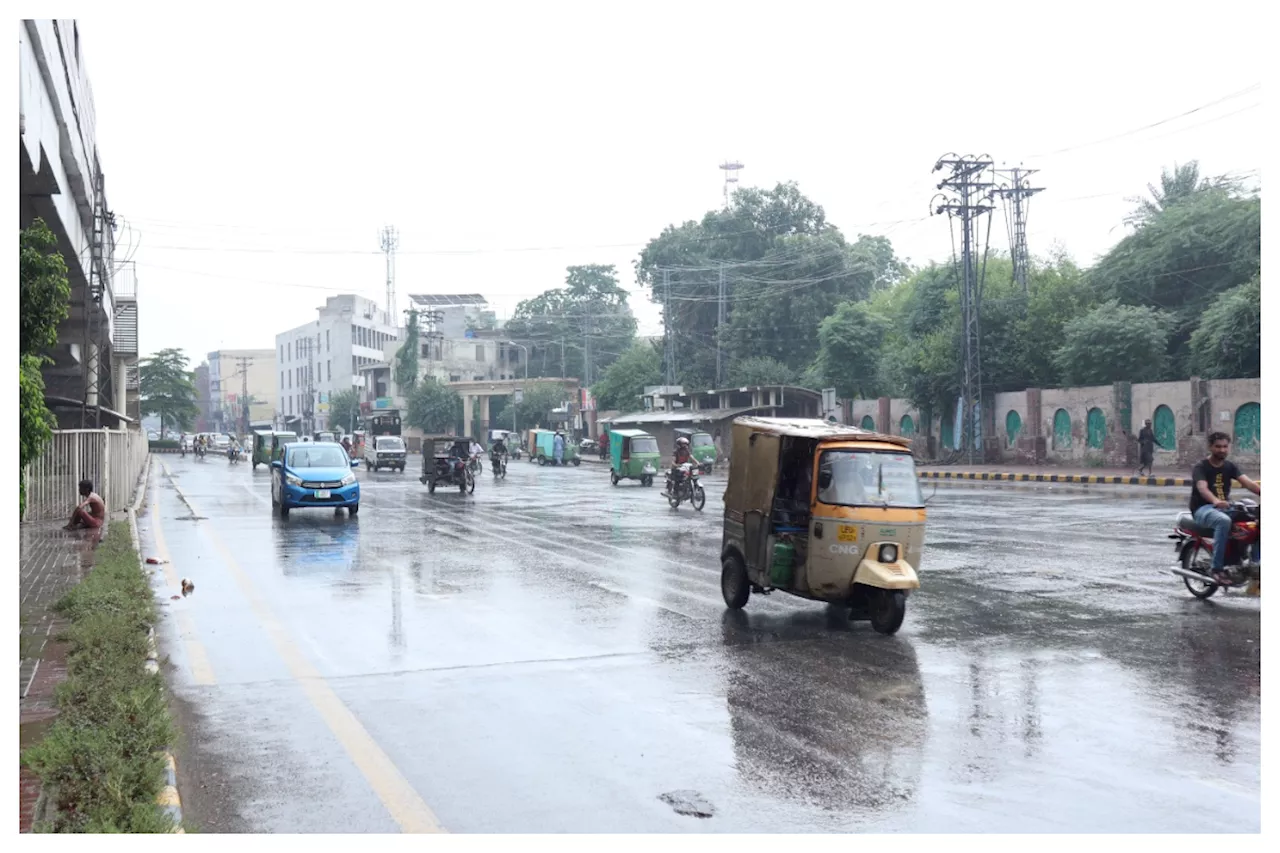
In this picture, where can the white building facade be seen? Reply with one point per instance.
(317, 359)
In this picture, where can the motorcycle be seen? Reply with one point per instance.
(233, 455)
(685, 487)
(200, 452)
(475, 465)
(1194, 546)
(499, 465)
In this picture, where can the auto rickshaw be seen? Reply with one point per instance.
(444, 463)
(702, 447)
(823, 511)
(261, 447)
(278, 441)
(542, 448)
(633, 455)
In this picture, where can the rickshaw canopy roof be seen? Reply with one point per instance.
(629, 433)
(817, 429)
(690, 431)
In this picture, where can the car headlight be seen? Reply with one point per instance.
(349, 479)
(888, 553)
(292, 480)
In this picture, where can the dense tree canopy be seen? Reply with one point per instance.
(1228, 341)
(167, 389)
(620, 387)
(433, 407)
(344, 409)
(43, 302)
(559, 327)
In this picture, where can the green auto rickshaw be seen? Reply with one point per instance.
(262, 447)
(633, 455)
(702, 447)
(278, 441)
(542, 448)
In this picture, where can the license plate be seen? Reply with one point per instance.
(322, 493)
(847, 533)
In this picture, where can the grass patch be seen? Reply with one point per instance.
(101, 762)
(163, 444)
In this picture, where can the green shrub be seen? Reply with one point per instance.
(102, 760)
(163, 444)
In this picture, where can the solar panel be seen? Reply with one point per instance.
(448, 299)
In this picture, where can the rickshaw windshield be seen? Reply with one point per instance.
(701, 440)
(644, 444)
(864, 478)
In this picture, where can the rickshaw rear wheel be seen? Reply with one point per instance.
(613, 478)
(888, 609)
(542, 460)
(646, 480)
(431, 487)
(734, 584)
(576, 462)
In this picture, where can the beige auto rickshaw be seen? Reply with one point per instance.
(823, 511)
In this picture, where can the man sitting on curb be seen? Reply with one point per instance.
(1211, 494)
(91, 512)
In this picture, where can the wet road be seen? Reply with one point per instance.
(552, 654)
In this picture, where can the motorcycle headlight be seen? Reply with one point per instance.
(292, 480)
(349, 479)
(888, 553)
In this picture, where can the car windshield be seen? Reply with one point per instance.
(319, 456)
(701, 440)
(390, 444)
(868, 479)
(644, 444)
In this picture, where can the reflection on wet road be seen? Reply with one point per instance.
(553, 654)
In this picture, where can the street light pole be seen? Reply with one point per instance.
(525, 350)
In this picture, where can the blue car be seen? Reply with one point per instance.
(314, 474)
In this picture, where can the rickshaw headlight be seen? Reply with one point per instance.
(888, 553)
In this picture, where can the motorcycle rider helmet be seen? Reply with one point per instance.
(682, 441)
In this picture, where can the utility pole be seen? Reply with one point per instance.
(244, 362)
(1016, 195)
(720, 318)
(668, 333)
(586, 351)
(390, 240)
(962, 197)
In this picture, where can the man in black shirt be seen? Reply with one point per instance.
(1146, 446)
(1211, 494)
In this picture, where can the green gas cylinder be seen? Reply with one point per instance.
(782, 566)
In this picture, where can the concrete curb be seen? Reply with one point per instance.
(1090, 479)
(168, 797)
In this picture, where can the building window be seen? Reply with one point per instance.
(353, 333)
(480, 352)
(328, 366)
(355, 365)
(282, 379)
(282, 352)
(327, 346)
(290, 399)
(290, 375)
(290, 345)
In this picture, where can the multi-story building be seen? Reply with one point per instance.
(235, 373)
(92, 377)
(325, 356)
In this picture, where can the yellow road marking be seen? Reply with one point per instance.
(197, 657)
(404, 804)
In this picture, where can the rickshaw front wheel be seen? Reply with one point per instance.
(576, 462)
(613, 478)
(734, 584)
(646, 480)
(888, 609)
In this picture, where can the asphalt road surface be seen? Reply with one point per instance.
(552, 654)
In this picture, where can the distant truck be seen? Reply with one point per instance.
(382, 423)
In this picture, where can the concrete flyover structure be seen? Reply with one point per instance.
(479, 392)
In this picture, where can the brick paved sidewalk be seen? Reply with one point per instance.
(51, 561)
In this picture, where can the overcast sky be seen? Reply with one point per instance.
(255, 159)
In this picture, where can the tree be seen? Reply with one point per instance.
(623, 383)
(1182, 260)
(1228, 342)
(434, 408)
(167, 389)
(558, 324)
(407, 355)
(44, 302)
(1114, 342)
(1175, 186)
(344, 409)
(537, 404)
(761, 370)
(850, 349)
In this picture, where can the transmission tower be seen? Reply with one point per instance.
(962, 197)
(390, 240)
(731, 169)
(1016, 194)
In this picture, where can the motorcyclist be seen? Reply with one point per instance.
(1211, 496)
(497, 453)
(679, 457)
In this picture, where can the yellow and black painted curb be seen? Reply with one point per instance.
(1089, 479)
(168, 798)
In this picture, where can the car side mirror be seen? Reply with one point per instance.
(276, 463)
(354, 463)
(824, 479)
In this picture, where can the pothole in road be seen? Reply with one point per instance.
(688, 803)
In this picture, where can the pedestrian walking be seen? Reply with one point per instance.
(1146, 447)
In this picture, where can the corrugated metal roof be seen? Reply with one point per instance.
(682, 416)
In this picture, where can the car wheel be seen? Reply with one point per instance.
(284, 511)
(353, 509)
